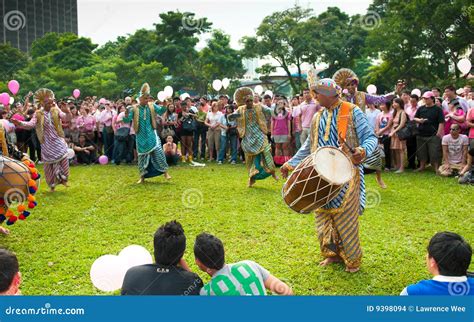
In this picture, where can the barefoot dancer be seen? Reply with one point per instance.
(338, 221)
(47, 123)
(252, 127)
(151, 158)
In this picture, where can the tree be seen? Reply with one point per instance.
(12, 60)
(282, 36)
(419, 40)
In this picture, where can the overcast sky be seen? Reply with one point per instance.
(105, 20)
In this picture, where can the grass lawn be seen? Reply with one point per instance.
(104, 211)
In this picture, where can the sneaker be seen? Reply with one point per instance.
(219, 162)
(232, 162)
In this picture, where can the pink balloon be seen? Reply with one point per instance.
(5, 99)
(76, 93)
(103, 159)
(14, 86)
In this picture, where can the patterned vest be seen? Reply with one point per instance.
(40, 123)
(359, 100)
(261, 120)
(345, 125)
(3, 140)
(136, 116)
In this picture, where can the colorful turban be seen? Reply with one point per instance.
(327, 87)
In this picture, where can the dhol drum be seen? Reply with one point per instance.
(317, 180)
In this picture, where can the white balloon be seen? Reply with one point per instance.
(107, 272)
(70, 153)
(135, 255)
(371, 89)
(184, 96)
(225, 82)
(464, 65)
(269, 92)
(258, 89)
(417, 92)
(217, 84)
(12, 100)
(168, 91)
(162, 96)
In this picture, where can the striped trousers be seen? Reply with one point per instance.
(57, 172)
(338, 228)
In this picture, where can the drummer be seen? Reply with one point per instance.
(338, 221)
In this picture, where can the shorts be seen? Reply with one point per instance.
(429, 148)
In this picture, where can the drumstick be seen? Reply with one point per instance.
(341, 139)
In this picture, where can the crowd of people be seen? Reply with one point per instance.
(438, 129)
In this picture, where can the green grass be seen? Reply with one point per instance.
(104, 211)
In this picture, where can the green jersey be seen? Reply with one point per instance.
(242, 278)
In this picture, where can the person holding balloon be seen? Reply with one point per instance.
(47, 123)
(151, 158)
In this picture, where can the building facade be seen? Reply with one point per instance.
(24, 21)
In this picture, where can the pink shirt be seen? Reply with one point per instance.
(280, 124)
(382, 122)
(449, 121)
(85, 123)
(119, 123)
(105, 117)
(296, 119)
(410, 110)
(307, 111)
(470, 118)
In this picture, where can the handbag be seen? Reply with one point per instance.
(122, 134)
(409, 130)
(167, 131)
(189, 124)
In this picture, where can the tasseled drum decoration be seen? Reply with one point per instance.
(18, 185)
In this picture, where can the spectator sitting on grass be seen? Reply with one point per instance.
(448, 259)
(171, 151)
(171, 274)
(10, 277)
(85, 151)
(454, 151)
(242, 278)
(466, 175)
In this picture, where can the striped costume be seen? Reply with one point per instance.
(151, 158)
(252, 128)
(337, 222)
(53, 146)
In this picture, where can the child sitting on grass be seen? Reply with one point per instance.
(242, 278)
(448, 259)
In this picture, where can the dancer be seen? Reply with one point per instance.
(47, 123)
(252, 127)
(338, 221)
(348, 81)
(151, 158)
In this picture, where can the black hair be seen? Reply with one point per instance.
(399, 101)
(204, 98)
(8, 269)
(169, 243)
(305, 90)
(451, 88)
(415, 96)
(209, 250)
(437, 88)
(451, 253)
(406, 92)
(266, 96)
